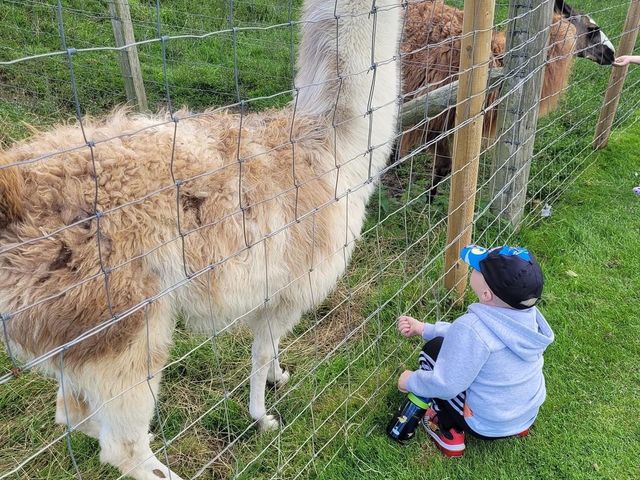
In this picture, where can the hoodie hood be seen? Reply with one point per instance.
(525, 332)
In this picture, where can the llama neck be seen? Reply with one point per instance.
(348, 73)
(562, 45)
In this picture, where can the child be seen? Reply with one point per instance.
(484, 370)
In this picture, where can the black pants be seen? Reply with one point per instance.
(450, 412)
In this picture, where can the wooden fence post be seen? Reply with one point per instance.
(475, 53)
(616, 80)
(129, 62)
(526, 47)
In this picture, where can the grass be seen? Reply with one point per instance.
(345, 356)
(588, 426)
(199, 73)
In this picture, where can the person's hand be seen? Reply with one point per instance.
(409, 326)
(402, 381)
(622, 60)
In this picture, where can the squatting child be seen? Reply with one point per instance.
(483, 372)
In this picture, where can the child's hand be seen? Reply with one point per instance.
(402, 381)
(622, 60)
(409, 326)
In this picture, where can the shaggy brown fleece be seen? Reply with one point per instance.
(138, 195)
(431, 58)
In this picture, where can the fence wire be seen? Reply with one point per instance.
(234, 63)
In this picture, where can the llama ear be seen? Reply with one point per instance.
(564, 9)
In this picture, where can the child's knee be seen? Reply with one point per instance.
(432, 347)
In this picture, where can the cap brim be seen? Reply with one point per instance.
(472, 255)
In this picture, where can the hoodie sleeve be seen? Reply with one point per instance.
(434, 330)
(462, 355)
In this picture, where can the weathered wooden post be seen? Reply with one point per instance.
(474, 71)
(129, 62)
(527, 39)
(616, 80)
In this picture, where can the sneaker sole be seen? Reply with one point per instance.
(448, 450)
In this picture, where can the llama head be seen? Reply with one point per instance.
(592, 43)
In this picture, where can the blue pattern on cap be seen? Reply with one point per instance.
(474, 254)
(521, 252)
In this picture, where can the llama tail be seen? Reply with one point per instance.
(348, 56)
(11, 193)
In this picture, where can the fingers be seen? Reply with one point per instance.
(404, 326)
(621, 61)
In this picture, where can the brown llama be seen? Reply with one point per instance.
(94, 264)
(431, 58)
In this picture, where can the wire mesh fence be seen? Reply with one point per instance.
(293, 194)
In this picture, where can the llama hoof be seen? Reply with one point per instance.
(279, 382)
(268, 423)
(284, 379)
(154, 471)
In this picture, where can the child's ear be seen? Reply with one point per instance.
(487, 295)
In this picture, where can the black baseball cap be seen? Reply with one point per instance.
(512, 273)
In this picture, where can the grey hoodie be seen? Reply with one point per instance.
(495, 355)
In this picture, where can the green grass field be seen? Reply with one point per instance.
(588, 426)
(345, 357)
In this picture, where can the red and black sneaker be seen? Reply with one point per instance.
(450, 442)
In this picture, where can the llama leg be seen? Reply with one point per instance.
(277, 375)
(124, 433)
(264, 365)
(119, 388)
(411, 139)
(403, 146)
(442, 166)
(72, 411)
(261, 356)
